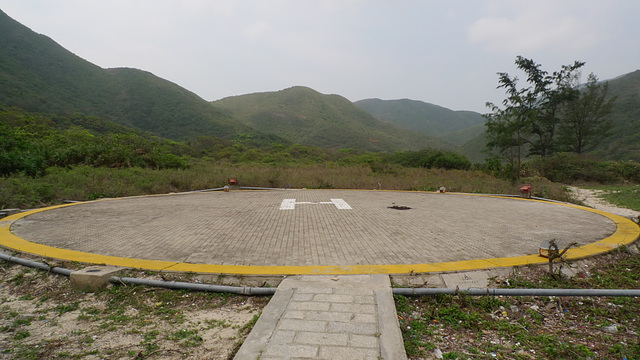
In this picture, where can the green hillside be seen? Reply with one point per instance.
(456, 127)
(624, 144)
(37, 74)
(475, 149)
(307, 117)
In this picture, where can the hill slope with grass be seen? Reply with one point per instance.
(37, 74)
(624, 144)
(305, 116)
(456, 127)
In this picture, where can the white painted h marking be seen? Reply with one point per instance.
(290, 204)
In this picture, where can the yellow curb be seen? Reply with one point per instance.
(626, 233)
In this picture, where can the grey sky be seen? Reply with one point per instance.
(442, 52)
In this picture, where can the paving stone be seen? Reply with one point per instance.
(291, 351)
(364, 318)
(331, 316)
(348, 353)
(363, 299)
(353, 308)
(314, 306)
(303, 296)
(314, 290)
(353, 328)
(334, 298)
(282, 337)
(296, 314)
(321, 338)
(365, 341)
(302, 325)
(346, 290)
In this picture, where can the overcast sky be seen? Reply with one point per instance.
(442, 52)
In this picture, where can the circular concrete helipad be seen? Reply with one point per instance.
(312, 231)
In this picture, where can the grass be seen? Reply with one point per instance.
(465, 327)
(88, 183)
(627, 196)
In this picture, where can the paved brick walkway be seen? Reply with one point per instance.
(328, 317)
(312, 227)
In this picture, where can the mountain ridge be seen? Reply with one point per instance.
(329, 121)
(424, 117)
(37, 74)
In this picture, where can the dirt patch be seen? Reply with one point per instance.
(593, 199)
(43, 317)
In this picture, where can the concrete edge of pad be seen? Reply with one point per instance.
(391, 342)
(256, 342)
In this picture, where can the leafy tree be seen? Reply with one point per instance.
(585, 122)
(529, 118)
(508, 131)
(553, 93)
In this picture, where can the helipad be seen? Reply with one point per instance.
(313, 231)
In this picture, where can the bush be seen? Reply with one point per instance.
(429, 158)
(570, 168)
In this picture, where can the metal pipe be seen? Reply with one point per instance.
(35, 264)
(242, 290)
(516, 292)
(260, 188)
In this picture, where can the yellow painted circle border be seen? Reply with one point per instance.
(626, 233)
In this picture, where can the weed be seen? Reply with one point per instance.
(88, 340)
(213, 323)
(530, 327)
(61, 309)
(456, 317)
(186, 338)
(26, 297)
(21, 335)
(243, 331)
(151, 335)
(89, 313)
(24, 352)
(18, 279)
(452, 355)
(22, 321)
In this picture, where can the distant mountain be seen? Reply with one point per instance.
(624, 144)
(39, 75)
(305, 116)
(475, 149)
(456, 127)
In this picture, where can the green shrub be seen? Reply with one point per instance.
(430, 158)
(571, 168)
